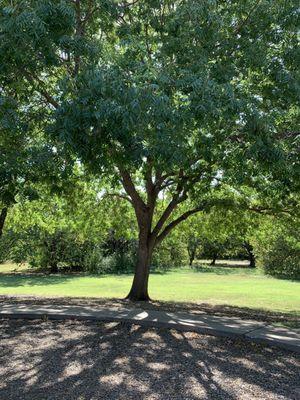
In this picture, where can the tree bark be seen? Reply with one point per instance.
(192, 253)
(251, 256)
(213, 262)
(252, 263)
(52, 255)
(139, 288)
(3, 216)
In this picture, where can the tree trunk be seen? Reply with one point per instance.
(213, 262)
(251, 259)
(139, 288)
(192, 254)
(3, 216)
(251, 256)
(54, 268)
(53, 261)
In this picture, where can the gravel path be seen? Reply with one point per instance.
(55, 360)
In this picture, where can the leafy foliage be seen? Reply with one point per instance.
(277, 248)
(282, 259)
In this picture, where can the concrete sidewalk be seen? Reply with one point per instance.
(202, 323)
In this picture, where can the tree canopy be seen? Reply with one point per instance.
(165, 98)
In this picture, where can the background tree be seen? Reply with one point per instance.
(221, 232)
(163, 96)
(64, 228)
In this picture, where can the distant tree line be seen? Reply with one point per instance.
(56, 237)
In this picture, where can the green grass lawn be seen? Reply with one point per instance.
(231, 286)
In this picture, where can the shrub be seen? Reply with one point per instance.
(119, 254)
(94, 260)
(277, 248)
(281, 258)
(168, 255)
(6, 245)
(15, 247)
(62, 250)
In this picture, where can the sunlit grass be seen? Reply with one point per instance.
(215, 285)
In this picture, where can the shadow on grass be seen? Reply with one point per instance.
(121, 361)
(39, 278)
(223, 270)
(16, 280)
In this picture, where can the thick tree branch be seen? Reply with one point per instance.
(130, 189)
(165, 215)
(160, 178)
(179, 197)
(150, 187)
(175, 222)
(34, 80)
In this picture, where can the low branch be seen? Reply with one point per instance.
(165, 215)
(270, 211)
(179, 197)
(174, 223)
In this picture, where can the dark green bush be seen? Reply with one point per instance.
(14, 246)
(6, 245)
(168, 255)
(119, 254)
(281, 257)
(64, 251)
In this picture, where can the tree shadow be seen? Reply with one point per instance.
(89, 361)
(17, 280)
(221, 270)
(288, 319)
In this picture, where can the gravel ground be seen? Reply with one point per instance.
(63, 360)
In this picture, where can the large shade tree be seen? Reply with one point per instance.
(165, 97)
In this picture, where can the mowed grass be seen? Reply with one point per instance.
(214, 285)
